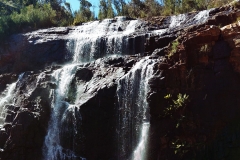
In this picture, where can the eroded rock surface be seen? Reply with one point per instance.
(197, 59)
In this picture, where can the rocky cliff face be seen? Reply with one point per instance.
(205, 67)
(194, 54)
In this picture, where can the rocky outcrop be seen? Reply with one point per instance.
(34, 50)
(205, 67)
(95, 101)
(230, 34)
(200, 60)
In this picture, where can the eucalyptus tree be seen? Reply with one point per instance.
(121, 7)
(110, 12)
(103, 10)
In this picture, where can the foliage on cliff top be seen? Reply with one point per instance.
(27, 15)
(149, 8)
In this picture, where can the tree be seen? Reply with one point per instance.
(169, 7)
(84, 14)
(152, 8)
(136, 8)
(121, 7)
(110, 12)
(68, 6)
(188, 6)
(103, 10)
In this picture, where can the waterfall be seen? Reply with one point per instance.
(133, 110)
(89, 42)
(182, 21)
(86, 43)
(7, 98)
(177, 20)
(59, 117)
(98, 39)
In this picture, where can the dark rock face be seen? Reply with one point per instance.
(204, 65)
(6, 79)
(32, 51)
(26, 123)
(202, 69)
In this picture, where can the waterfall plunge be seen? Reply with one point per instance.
(54, 150)
(95, 40)
(88, 42)
(7, 98)
(133, 110)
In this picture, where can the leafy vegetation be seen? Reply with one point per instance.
(175, 104)
(182, 6)
(25, 15)
(205, 48)
(176, 110)
(84, 14)
(149, 8)
(173, 49)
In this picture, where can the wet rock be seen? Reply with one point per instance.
(3, 138)
(24, 118)
(6, 79)
(130, 63)
(120, 29)
(163, 41)
(160, 51)
(113, 60)
(84, 74)
(204, 66)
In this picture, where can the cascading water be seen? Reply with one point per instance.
(54, 150)
(133, 110)
(98, 39)
(95, 40)
(7, 98)
(88, 42)
(182, 21)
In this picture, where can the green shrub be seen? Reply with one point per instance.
(39, 17)
(5, 26)
(173, 49)
(175, 104)
(29, 18)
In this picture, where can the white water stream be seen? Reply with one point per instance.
(133, 110)
(182, 20)
(7, 98)
(99, 39)
(88, 42)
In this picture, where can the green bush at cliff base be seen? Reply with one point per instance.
(176, 111)
(174, 104)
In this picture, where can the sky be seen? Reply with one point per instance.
(75, 4)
